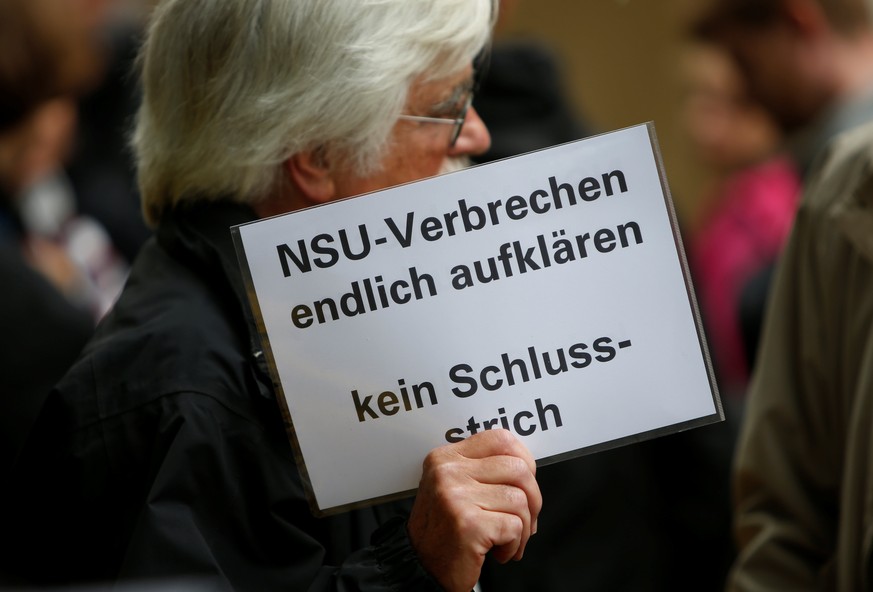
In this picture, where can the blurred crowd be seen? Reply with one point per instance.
(768, 86)
(69, 212)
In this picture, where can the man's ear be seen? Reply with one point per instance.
(311, 177)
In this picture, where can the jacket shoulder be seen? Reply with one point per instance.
(171, 331)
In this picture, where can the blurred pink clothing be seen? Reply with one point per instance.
(742, 233)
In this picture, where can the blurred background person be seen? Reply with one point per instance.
(749, 207)
(810, 64)
(101, 171)
(59, 271)
(802, 472)
(522, 96)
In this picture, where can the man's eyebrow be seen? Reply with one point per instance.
(462, 88)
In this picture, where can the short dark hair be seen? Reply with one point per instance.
(28, 62)
(846, 16)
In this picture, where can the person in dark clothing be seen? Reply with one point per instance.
(101, 168)
(163, 452)
(185, 463)
(42, 56)
(44, 333)
(522, 100)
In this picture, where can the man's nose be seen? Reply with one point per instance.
(474, 138)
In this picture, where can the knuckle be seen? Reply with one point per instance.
(508, 444)
(443, 500)
(466, 519)
(439, 466)
(516, 466)
(513, 527)
(504, 438)
(444, 473)
(434, 457)
(538, 501)
(429, 464)
(461, 520)
(515, 497)
(445, 487)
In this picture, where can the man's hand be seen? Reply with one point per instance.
(475, 496)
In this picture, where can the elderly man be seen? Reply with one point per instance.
(163, 452)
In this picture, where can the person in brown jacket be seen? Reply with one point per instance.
(803, 479)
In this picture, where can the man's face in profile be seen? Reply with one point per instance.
(420, 149)
(773, 62)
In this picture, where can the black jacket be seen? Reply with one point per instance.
(163, 453)
(42, 334)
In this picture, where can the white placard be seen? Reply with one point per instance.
(546, 294)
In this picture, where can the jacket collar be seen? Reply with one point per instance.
(854, 215)
(199, 235)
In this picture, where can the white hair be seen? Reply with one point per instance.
(233, 88)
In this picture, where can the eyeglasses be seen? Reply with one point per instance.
(457, 122)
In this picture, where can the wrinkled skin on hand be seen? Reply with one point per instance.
(475, 497)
